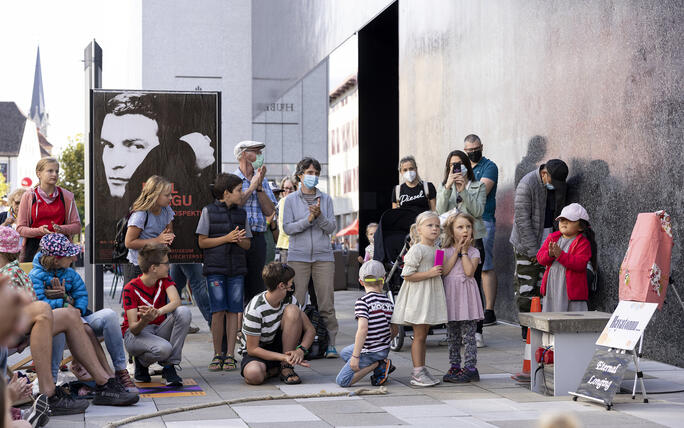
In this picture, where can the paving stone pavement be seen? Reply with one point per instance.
(495, 401)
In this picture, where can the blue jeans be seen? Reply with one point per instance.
(366, 359)
(193, 273)
(105, 323)
(225, 293)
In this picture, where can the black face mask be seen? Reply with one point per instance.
(289, 294)
(475, 156)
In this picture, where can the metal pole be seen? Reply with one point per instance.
(92, 63)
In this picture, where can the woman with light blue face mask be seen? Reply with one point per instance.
(309, 220)
(413, 193)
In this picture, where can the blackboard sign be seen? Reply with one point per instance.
(604, 375)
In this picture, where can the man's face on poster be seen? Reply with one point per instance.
(126, 141)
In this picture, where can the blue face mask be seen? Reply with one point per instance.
(310, 181)
(464, 170)
(549, 186)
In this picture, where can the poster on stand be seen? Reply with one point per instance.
(137, 134)
(626, 325)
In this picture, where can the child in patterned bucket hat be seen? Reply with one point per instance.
(10, 247)
(56, 283)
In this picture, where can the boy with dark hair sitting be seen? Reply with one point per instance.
(278, 334)
(154, 331)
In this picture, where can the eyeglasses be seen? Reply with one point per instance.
(288, 189)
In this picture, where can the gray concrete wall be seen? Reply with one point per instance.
(600, 82)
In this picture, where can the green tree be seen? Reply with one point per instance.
(72, 170)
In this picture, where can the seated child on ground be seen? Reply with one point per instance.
(153, 330)
(373, 312)
(56, 283)
(278, 334)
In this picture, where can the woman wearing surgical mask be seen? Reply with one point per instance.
(413, 192)
(309, 219)
(460, 191)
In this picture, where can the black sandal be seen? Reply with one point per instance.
(287, 378)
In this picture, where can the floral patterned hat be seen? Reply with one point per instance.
(56, 244)
(10, 242)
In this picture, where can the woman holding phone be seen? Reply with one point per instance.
(460, 192)
(309, 219)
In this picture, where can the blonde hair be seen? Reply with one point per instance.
(407, 159)
(291, 180)
(559, 420)
(422, 217)
(375, 225)
(449, 239)
(43, 163)
(49, 263)
(154, 186)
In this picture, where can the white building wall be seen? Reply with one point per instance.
(193, 45)
(29, 155)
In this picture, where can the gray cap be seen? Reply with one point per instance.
(372, 269)
(245, 145)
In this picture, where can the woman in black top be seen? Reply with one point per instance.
(413, 192)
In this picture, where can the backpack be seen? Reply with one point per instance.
(320, 343)
(119, 251)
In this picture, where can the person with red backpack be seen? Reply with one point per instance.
(47, 208)
(565, 254)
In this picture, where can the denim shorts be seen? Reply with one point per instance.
(488, 242)
(225, 293)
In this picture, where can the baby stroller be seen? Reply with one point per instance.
(392, 240)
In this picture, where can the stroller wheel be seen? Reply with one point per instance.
(398, 340)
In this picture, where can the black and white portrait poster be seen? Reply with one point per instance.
(137, 134)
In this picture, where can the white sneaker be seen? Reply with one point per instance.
(423, 378)
(479, 340)
(434, 380)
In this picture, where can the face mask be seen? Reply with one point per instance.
(289, 294)
(310, 181)
(409, 176)
(475, 156)
(549, 186)
(464, 170)
(259, 161)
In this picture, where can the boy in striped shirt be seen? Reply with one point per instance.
(373, 312)
(278, 334)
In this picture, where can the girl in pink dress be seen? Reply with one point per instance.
(464, 304)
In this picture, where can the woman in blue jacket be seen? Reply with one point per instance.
(56, 283)
(309, 219)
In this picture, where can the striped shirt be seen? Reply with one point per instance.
(263, 320)
(377, 308)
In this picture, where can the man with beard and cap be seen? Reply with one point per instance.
(539, 197)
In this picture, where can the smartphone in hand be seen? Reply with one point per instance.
(456, 167)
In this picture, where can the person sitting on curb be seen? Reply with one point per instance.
(373, 312)
(56, 283)
(273, 325)
(153, 330)
(42, 324)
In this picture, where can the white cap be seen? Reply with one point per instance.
(244, 145)
(372, 269)
(574, 212)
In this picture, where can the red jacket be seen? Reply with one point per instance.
(575, 262)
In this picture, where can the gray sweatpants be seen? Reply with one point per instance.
(161, 343)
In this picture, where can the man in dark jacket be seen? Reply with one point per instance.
(540, 195)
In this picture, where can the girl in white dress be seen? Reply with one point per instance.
(421, 301)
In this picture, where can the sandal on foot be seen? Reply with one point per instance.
(217, 363)
(229, 363)
(291, 378)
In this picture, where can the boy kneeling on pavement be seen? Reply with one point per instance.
(154, 331)
(373, 312)
(278, 334)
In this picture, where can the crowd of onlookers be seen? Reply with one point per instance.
(264, 248)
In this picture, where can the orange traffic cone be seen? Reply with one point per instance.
(524, 376)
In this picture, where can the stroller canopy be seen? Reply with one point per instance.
(392, 232)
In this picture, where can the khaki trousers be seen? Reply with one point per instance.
(323, 277)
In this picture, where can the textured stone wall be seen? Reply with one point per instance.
(596, 83)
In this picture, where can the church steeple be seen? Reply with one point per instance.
(37, 112)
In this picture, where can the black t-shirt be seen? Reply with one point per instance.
(414, 196)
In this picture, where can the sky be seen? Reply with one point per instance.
(63, 29)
